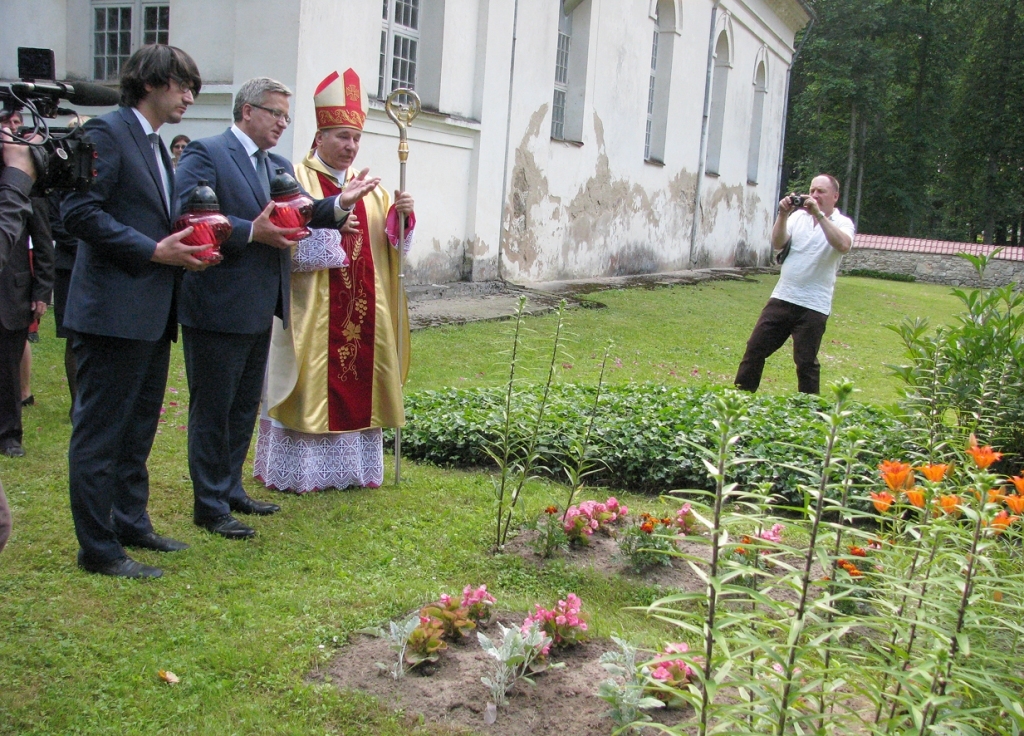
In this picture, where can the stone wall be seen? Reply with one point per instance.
(933, 268)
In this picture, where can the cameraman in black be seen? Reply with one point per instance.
(24, 288)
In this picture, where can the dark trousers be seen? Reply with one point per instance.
(225, 381)
(778, 321)
(12, 345)
(117, 409)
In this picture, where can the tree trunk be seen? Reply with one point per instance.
(860, 172)
(850, 157)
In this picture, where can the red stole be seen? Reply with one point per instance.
(351, 328)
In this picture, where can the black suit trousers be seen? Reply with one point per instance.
(778, 321)
(225, 381)
(12, 345)
(121, 387)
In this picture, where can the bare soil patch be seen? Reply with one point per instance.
(563, 701)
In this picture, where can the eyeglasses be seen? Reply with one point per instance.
(183, 86)
(278, 114)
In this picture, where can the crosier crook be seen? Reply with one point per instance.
(402, 114)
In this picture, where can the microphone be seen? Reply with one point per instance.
(77, 93)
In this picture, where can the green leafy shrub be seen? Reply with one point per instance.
(641, 432)
(885, 275)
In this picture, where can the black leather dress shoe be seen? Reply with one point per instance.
(228, 527)
(125, 567)
(154, 542)
(252, 506)
(14, 449)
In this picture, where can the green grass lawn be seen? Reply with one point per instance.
(243, 624)
(690, 334)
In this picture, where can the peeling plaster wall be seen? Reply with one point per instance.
(496, 196)
(599, 208)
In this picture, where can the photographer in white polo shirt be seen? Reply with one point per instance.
(817, 235)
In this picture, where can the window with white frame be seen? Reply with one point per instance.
(650, 95)
(719, 93)
(399, 42)
(659, 83)
(756, 121)
(120, 28)
(561, 75)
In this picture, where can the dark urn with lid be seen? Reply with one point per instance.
(202, 212)
(294, 208)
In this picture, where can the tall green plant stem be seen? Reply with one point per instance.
(730, 411)
(847, 480)
(580, 469)
(891, 647)
(939, 681)
(530, 456)
(505, 444)
(913, 626)
(842, 393)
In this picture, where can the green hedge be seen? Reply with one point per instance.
(640, 430)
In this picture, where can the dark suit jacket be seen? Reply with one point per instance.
(20, 283)
(64, 245)
(116, 290)
(242, 293)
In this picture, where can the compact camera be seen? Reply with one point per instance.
(798, 200)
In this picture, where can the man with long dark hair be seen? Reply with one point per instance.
(121, 309)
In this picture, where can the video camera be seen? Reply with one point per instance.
(63, 159)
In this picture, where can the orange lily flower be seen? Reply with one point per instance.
(897, 475)
(983, 456)
(882, 501)
(994, 496)
(858, 551)
(1018, 483)
(935, 472)
(950, 504)
(1001, 522)
(1016, 503)
(916, 496)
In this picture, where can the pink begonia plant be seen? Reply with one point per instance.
(773, 535)
(580, 522)
(685, 519)
(477, 602)
(671, 672)
(564, 623)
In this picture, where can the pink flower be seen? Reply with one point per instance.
(772, 535)
(677, 648)
(661, 673)
(446, 600)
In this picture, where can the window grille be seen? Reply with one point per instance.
(120, 29)
(399, 39)
(561, 76)
(650, 96)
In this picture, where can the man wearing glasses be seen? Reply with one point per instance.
(121, 309)
(226, 312)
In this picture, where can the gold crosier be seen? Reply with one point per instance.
(402, 106)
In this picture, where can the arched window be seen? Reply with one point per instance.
(571, 70)
(660, 81)
(756, 118)
(719, 88)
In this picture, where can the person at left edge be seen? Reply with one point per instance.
(226, 313)
(26, 279)
(121, 309)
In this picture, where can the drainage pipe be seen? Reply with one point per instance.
(508, 138)
(703, 133)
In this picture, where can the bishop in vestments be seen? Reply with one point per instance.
(334, 378)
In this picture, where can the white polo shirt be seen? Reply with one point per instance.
(808, 275)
